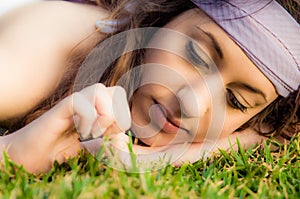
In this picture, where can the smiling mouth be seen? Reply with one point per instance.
(165, 120)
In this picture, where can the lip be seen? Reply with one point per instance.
(165, 120)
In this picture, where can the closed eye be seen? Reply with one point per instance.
(233, 101)
(194, 56)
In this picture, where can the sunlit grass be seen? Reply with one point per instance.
(252, 173)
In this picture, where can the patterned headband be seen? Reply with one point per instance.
(266, 32)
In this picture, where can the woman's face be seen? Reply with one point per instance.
(181, 92)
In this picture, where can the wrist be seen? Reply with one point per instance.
(21, 148)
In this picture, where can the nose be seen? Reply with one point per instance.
(194, 99)
(198, 97)
(204, 99)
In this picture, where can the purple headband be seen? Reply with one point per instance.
(266, 32)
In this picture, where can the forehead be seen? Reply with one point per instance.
(234, 64)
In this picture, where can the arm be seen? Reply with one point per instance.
(35, 45)
(51, 137)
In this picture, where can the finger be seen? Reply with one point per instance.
(119, 150)
(86, 113)
(172, 154)
(102, 101)
(100, 98)
(111, 105)
(100, 126)
(113, 109)
(121, 112)
(104, 106)
(120, 140)
(143, 154)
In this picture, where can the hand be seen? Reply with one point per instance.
(99, 109)
(178, 154)
(52, 137)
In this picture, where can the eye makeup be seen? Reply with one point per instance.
(234, 102)
(194, 56)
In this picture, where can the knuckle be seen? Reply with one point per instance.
(99, 89)
(120, 89)
(99, 86)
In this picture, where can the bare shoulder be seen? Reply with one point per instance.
(35, 42)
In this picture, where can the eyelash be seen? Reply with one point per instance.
(233, 102)
(197, 60)
(194, 56)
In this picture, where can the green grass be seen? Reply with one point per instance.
(252, 173)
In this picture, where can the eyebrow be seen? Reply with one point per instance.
(252, 89)
(214, 42)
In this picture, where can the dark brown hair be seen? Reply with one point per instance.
(281, 117)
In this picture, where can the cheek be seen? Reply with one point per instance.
(235, 119)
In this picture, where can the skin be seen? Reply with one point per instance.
(42, 47)
(37, 72)
(167, 90)
(31, 34)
